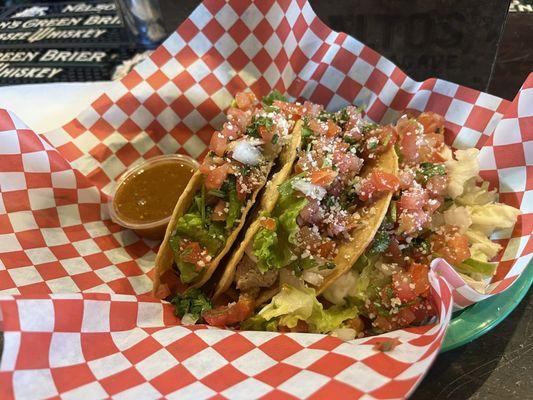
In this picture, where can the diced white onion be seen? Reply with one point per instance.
(307, 188)
(246, 153)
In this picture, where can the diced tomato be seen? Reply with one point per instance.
(323, 177)
(312, 109)
(218, 144)
(231, 131)
(319, 128)
(245, 100)
(327, 249)
(289, 109)
(192, 253)
(450, 244)
(394, 250)
(266, 134)
(422, 309)
(230, 314)
(437, 184)
(419, 277)
(408, 131)
(413, 199)
(241, 192)
(268, 223)
(408, 146)
(220, 211)
(382, 323)
(386, 137)
(384, 181)
(378, 181)
(430, 147)
(405, 317)
(412, 221)
(403, 286)
(239, 117)
(366, 190)
(347, 162)
(406, 178)
(216, 177)
(433, 205)
(333, 129)
(432, 122)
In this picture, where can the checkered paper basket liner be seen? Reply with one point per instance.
(56, 236)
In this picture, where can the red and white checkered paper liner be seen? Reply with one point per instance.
(56, 236)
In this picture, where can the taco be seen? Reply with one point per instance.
(442, 209)
(321, 217)
(213, 207)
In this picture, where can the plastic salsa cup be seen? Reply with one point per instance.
(145, 195)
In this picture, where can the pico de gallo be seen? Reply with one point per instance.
(317, 210)
(237, 165)
(440, 208)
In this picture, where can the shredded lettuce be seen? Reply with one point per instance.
(292, 304)
(474, 195)
(490, 217)
(460, 170)
(482, 244)
(287, 219)
(458, 216)
(272, 248)
(269, 253)
(190, 226)
(472, 266)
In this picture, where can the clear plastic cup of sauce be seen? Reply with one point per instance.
(146, 194)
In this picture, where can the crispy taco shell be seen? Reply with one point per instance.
(349, 251)
(165, 255)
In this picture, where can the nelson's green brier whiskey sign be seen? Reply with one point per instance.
(62, 42)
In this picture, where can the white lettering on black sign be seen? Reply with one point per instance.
(19, 56)
(91, 20)
(6, 71)
(54, 55)
(84, 7)
(53, 33)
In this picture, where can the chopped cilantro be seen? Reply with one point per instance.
(274, 95)
(253, 129)
(193, 301)
(381, 242)
(245, 170)
(275, 139)
(369, 128)
(306, 132)
(428, 170)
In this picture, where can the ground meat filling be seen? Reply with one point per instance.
(248, 276)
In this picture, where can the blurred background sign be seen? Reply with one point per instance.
(464, 41)
(63, 41)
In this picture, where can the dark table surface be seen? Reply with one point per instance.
(498, 365)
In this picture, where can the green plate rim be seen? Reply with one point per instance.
(463, 330)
